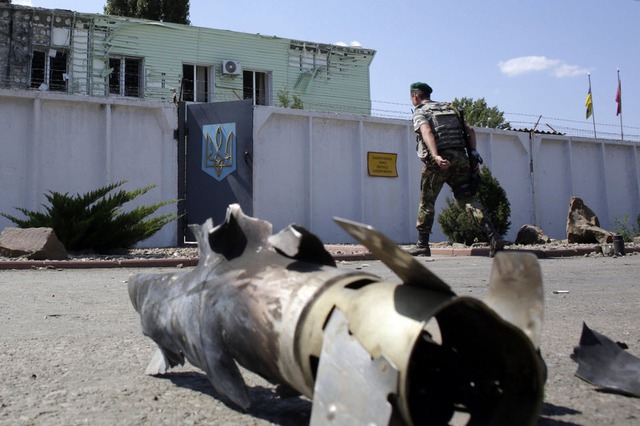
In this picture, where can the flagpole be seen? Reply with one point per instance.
(619, 101)
(593, 115)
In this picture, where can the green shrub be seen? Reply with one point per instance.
(622, 227)
(95, 221)
(286, 102)
(460, 227)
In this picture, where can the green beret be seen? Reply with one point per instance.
(423, 87)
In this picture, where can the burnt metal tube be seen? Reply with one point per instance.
(453, 354)
(365, 350)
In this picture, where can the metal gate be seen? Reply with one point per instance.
(217, 166)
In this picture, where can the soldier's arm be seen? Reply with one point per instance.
(430, 140)
(472, 136)
(472, 146)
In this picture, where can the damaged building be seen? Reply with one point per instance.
(93, 96)
(100, 55)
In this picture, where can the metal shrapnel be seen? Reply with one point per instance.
(366, 350)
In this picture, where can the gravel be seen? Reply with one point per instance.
(337, 250)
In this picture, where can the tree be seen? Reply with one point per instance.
(5, 1)
(121, 8)
(176, 11)
(150, 9)
(478, 113)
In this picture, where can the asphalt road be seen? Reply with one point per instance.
(71, 350)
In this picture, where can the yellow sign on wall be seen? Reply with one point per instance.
(382, 164)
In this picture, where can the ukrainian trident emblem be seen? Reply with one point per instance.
(219, 149)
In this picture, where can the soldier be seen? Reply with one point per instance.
(443, 141)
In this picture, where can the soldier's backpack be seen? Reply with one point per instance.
(445, 124)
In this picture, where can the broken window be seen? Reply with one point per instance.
(256, 86)
(126, 76)
(49, 70)
(196, 83)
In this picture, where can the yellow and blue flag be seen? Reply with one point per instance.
(589, 103)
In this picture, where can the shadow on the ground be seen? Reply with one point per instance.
(265, 403)
(550, 411)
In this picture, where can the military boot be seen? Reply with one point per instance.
(496, 242)
(422, 246)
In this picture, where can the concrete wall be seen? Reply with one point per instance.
(309, 167)
(66, 143)
(603, 173)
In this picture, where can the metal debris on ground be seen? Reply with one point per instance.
(279, 306)
(605, 363)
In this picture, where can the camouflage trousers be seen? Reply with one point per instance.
(432, 181)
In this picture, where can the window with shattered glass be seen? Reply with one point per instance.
(49, 70)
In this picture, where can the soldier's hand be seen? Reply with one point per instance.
(443, 163)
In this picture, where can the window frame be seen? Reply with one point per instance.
(201, 92)
(267, 81)
(53, 77)
(124, 87)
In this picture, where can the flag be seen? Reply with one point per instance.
(589, 103)
(619, 97)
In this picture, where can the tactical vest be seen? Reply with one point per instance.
(445, 124)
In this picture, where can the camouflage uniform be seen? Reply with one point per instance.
(432, 181)
(451, 144)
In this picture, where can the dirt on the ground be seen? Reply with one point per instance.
(72, 351)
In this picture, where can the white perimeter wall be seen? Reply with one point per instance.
(309, 167)
(64, 143)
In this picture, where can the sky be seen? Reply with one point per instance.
(529, 58)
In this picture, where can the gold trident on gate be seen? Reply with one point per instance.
(215, 157)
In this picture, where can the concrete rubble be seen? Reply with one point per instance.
(531, 234)
(583, 226)
(31, 243)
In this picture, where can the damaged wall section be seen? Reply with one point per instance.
(102, 55)
(319, 66)
(44, 49)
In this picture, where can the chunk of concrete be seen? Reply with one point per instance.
(32, 243)
(530, 234)
(583, 225)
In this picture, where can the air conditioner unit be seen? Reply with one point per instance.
(231, 68)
